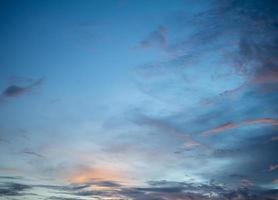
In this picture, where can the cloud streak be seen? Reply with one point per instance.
(230, 125)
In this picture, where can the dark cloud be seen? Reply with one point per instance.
(15, 90)
(13, 189)
(252, 160)
(164, 190)
(32, 153)
(62, 198)
(11, 177)
(159, 190)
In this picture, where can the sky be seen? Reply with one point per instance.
(139, 100)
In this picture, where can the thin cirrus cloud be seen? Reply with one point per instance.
(32, 153)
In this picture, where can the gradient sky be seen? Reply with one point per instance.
(139, 100)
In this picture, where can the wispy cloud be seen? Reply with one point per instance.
(273, 167)
(245, 183)
(230, 125)
(32, 153)
(157, 38)
(219, 129)
(13, 91)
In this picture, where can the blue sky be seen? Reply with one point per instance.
(122, 99)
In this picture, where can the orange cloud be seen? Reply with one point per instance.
(84, 174)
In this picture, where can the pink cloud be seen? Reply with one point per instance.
(245, 183)
(191, 144)
(219, 129)
(268, 74)
(230, 125)
(274, 122)
(273, 167)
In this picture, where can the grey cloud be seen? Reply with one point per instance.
(164, 190)
(32, 153)
(155, 190)
(13, 189)
(11, 177)
(15, 90)
(61, 198)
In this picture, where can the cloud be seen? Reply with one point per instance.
(190, 144)
(32, 153)
(269, 74)
(219, 129)
(273, 167)
(167, 190)
(15, 90)
(245, 183)
(11, 177)
(155, 39)
(102, 174)
(225, 152)
(230, 125)
(274, 138)
(239, 35)
(246, 63)
(170, 131)
(271, 121)
(13, 189)
(62, 198)
(160, 190)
